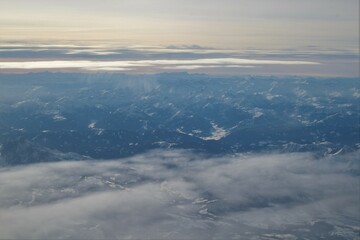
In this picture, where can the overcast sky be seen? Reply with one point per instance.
(237, 24)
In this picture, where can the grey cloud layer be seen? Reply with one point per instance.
(310, 60)
(179, 194)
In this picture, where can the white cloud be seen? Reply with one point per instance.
(128, 64)
(178, 194)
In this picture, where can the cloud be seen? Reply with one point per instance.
(311, 60)
(190, 67)
(179, 194)
(130, 64)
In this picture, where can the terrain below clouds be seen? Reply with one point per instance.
(56, 116)
(178, 156)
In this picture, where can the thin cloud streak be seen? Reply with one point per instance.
(129, 64)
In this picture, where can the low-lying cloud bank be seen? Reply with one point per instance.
(181, 195)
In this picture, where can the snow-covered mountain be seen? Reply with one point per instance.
(108, 116)
(23, 151)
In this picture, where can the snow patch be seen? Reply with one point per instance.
(257, 114)
(58, 117)
(217, 134)
(299, 92)
(92, 125)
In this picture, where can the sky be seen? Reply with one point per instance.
(232, 23)
(265, 26)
